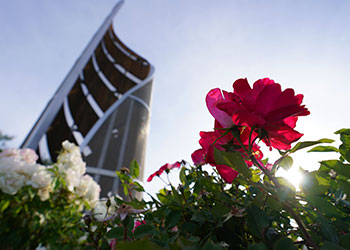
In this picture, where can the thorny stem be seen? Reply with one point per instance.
(307, 236)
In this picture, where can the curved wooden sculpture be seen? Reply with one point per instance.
(103, 105)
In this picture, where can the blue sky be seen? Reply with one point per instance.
(195, 46)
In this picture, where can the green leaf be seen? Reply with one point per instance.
(331, 246)
(329, 232)
(287, 190)
(345, 131)
(310, 185)
(338, 166)
(305, 144)
(286, 162)
(183, 175)
(125, 189)
(345, 151)
(220, 209)
(323, 205)
(173, 218)
(324, 149)
(202, 217)
(284, 244)
(286, 183)
(344, 148)
(116, 233)
(233, 160)
(125, 178)
(163, 196)
(3, 205)
(322, 181)
(257, 221)
(138, 187)
(143, 230)
(144, 244)
(345, 186)
(258, 246)
(275, 205)
(134, 169)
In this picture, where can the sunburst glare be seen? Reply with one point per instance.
(293, 175)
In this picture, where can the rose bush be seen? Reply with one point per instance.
(230, 198)
(242, 204)
(43, 205)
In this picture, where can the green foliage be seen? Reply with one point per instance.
(234, 160)
(305, 144)
(286, 162)
(26, 221)
(258, 211)
(254, 212)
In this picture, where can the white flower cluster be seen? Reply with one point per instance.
(18, 168)
(72, 166)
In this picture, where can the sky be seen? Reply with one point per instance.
(195, 46)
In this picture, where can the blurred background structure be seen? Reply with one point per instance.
(103, 105)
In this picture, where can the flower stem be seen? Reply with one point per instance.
(287, 206)
(308, 240)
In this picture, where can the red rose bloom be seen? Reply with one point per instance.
(265, 107)
(163, 168)
(209, 140)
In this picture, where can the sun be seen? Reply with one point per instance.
(293, 175)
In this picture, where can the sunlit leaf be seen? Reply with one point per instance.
(287, 190)
(305, 144)
(323, 149)
(286, 183)
(134, 169)
(163, 195)
(286, 163)
(345, 131)
(138, 187)
(338, 166)
(233, 160)
(310, 185)
(344, 148)
(183, 175)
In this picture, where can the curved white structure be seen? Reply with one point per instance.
(103, 105)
